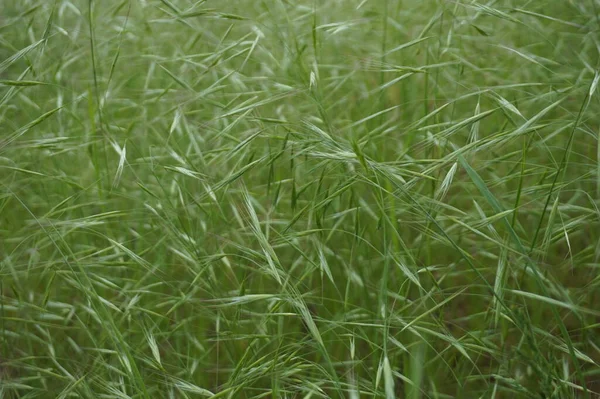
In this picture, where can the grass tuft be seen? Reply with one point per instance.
(309, 199)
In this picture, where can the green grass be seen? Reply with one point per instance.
(299, 199)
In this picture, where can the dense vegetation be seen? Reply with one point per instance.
(299, 199)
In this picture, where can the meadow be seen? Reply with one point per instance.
(299, 199)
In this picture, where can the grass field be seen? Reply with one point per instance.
(299, 199)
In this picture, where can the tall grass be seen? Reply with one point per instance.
(299, 199)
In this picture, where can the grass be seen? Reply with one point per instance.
(299, 199)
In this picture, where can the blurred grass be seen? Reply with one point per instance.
(374, 198)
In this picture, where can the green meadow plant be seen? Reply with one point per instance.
(299, 199)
